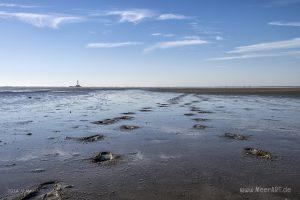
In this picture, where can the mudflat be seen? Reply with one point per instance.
(167, 143)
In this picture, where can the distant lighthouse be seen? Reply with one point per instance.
(77, 85)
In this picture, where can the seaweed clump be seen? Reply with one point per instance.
(236, 136)
(258, 153)
(91, 138)
(199, 126)
(129, 127)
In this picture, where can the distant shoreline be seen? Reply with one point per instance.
(234, 90)
(292, 90)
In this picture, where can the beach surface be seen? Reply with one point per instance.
(172, 144)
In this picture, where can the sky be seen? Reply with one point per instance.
(141, 43)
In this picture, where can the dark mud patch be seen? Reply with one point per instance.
(195, 109)
(51, 138)
(128, 113)
(258, 153)
(236, 136)
(129, 127)
(189, 114)
(25, 122)
(125, 117)
(105, 122)
(204, 112)
(199, 126)
(163, 105)
(105, 157)
(200, 119)
(9, 165)
(145, 110)
(38, 170)
(113, 120)
(50, 190)
(91, 138)
(75, 127)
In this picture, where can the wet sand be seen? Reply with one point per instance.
(162, 154)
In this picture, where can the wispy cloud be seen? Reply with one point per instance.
(242, 57)
(279, 23)
(169, 16)
(133, 16)
(219, 38)
(198, 27)
(138, 15)
(163, 34)
(112, 45)
(191, 37)
(284, 44)
(11, 5)
(268, 49)
(283, 2)
(41, 20)
(248, 56)
(172, 44)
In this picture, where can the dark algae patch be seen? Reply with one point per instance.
(204, 112)
(146, 109)
(104, 157)
(236, 136)
(125, 117)
(258, 153)
(199, 126)
(113, 120)
(189, 114)
(200, 119)
(105, 122)
(91, 138)
(50, 190)
(128, 113)
(129, 127)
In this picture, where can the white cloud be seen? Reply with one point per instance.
(172, 44)
(163, 34)
(133, 16)
(169, 16)
(283, 2)
(138, 15)
(41, 20)
(269, 49)
(279, 23)
(284, 44)
(241, 57)
(191, 37)
(11, 5)
(111, 45)
(219, 38)
(248, 56)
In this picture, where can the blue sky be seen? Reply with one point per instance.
(150, 43)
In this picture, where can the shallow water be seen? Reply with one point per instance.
(166, 158)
